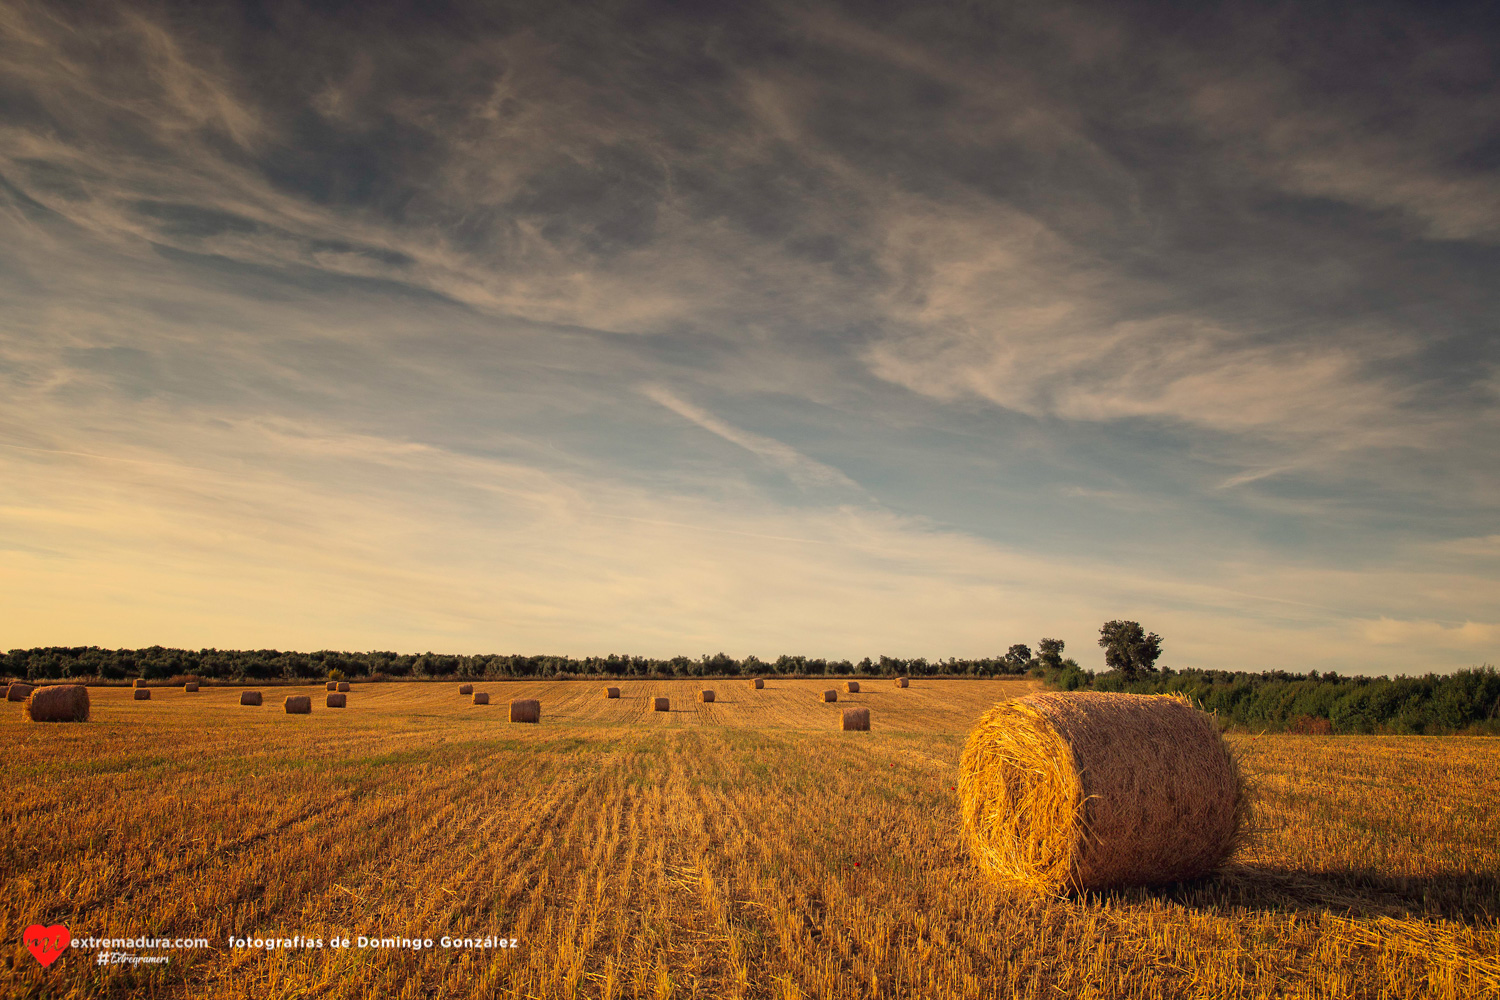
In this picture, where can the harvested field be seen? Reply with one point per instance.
(743, 848)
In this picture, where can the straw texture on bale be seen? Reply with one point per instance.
(344, 686)
(298, 704)
(759, 683)
(142, 694)
(249, 697)
(852, 687)
(139, 682)
(830, 696)
(466, 689)
(1092, 790)
(333, 685)
(706, 696)
(58, 703)
(190, 686)
(17, 691)
(857, 720)
(337, 699)
(481, 698)
(611, 692)
(525, 710)
(662, 705)
(902, 682)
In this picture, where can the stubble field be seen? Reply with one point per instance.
(745, 848)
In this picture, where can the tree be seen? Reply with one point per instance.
(1129, 649)
(1018, 656)
(1049, 653)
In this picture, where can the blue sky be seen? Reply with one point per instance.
(833, 330)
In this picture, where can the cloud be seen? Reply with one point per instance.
(798, 467)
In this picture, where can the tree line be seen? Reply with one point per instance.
(160, 663)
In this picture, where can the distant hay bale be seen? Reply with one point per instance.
(298, 704)
(759, 683)
(611, 692)
(344, 686)
(333, 685)
(852, 687)
(481, 698)
(18, 690)
(142, 694)
(337, 700)
(466, 689)
(58, 703)
(190, 687)
(902, 682)
(249, 697)
(830, 696)
(139, 682)
(525, 710)
(1089, 790)
(857, 720)
(661, 705)
(706, 696)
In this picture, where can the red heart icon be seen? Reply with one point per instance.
(46, 943)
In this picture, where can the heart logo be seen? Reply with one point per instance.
(47, 943)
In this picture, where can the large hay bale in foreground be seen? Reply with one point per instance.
(298, 704)
(18, 690)
(333, 685)
(337, 700)
(58, 703)
(706, 696)
(611, 692)
(830, 696)
(481, 698)
(344, 686)
(1088, 790)
(902, 682)
(190, 687)
(249, 697)
(661, 705)
(852, 687)
(759, 683)
(466, 689)
(525, 710)
(142, 694)
(856, 720)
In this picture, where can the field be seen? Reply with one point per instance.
(745, 848)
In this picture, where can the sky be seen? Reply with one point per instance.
(913, 329)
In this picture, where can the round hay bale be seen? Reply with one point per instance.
(333, 685)
(337, 699)
(18, 690)
(852, 687)
(190, 687)
(1090, 790)
(139, 682)
(830, 696)
(466, 689)
(706, 696)
(661, 705)
(298, 704)
(344, 686)
(481, 698)
(759, 683)
(142, 694)
(525, 710)
(249, 697)
(611, 692)
(902, 682)
(856, 720)
(58, 703)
